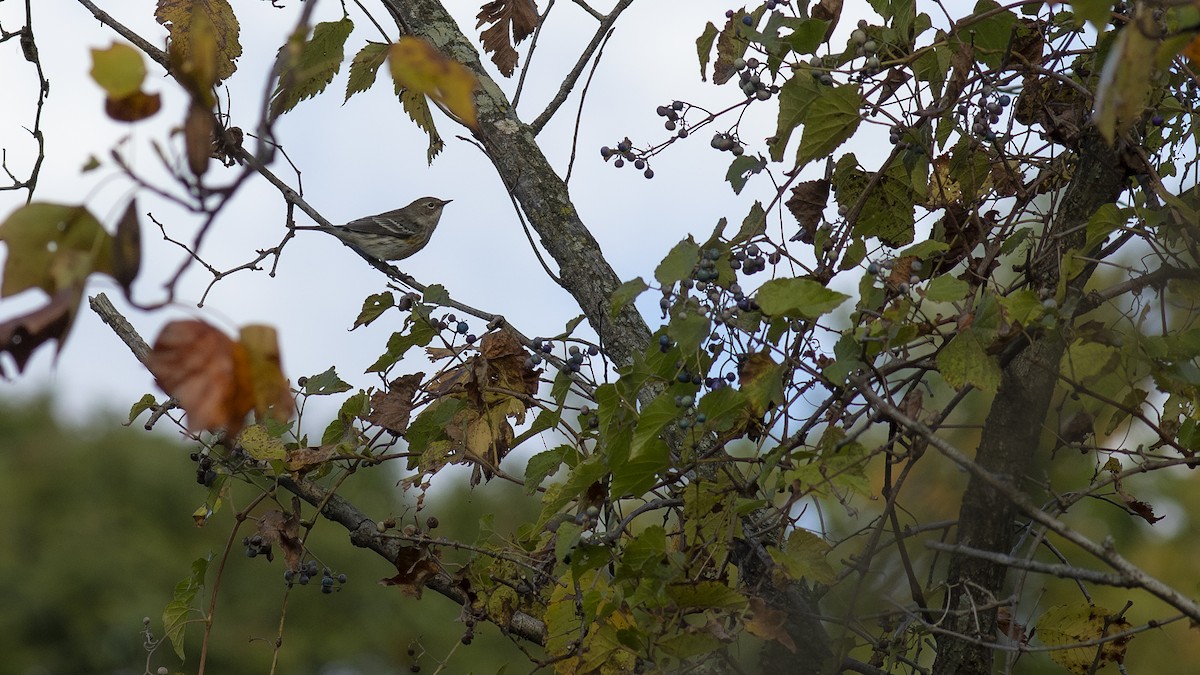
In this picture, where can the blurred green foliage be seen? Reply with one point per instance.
(96, 530)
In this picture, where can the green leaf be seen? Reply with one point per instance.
(543, 465)
(1022, 307)
(625, 294)
(740, 171)
(754, 224)
(831, 119)
(143, 404)
(689, 329)
(1102, 223)
(722, 407)
(325, 384)
(364, 67)
(965, 361)
(419, 335)
(707, 594)
(645, 552)
(990, 37)
(679, 263)
(119, 70)
(887, 212)
(946, 288)
(803, 298)
(704, 45)
(795, 97)
(260, 445)
(430, 425)
(308, 74)
(436, 294)
(175, 615)
(925, 249)
(807, 34)
(417, 106)
(803, 556)
(373, 306)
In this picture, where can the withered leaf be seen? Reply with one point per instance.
(272, 394)
(137, 106)
(520, 17)
(807, 204)
(391, 409)
(21, 335)
(198, 138)
(127, 248)
(278, 528)
(768, 624)
(206, 371)
(302, 460)
(831, 11)
(414, 567)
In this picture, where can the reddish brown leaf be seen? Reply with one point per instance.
(391, 409)
(21, 335)
(137, 106)
(206, 371)
(414, 567)
(516, 17)
(278, 528)
(198, 138)
(807, 204)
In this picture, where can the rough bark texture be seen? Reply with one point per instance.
(1013, 427)
(542, 194)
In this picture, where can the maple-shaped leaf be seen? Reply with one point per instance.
(418, 65)
(307, 67)
(516, 17)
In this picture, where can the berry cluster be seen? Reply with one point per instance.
(256, 546)
(885, 266)
(726, 142)
(308, 572)
(674, 119)
(751, 259)
(864, 46)
(451, 322)
(625, 152)
(990, 105)
(205, 474)
(750, 79)
(576, 356)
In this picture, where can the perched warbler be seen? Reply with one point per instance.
(394, 235)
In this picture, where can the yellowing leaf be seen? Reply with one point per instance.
(417, 107)
(204, 39)
(261, 445)
(420, 67)
(52, 247)
(118, 69)
(803, 557)
(964, 361)
(1066, 625)
(1125, 81)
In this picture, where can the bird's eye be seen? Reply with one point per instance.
(431, 205)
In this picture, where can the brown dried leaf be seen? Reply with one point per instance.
(306, 459)
(21, 335)
(198, 138)
(518, 17)
(127, 248)
(278, 528)
(807, 204)
(392, 409)
(206, 371)
(768, 624)
(414, 567)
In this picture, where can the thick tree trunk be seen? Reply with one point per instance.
(1014, 424)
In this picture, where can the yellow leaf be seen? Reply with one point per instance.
(1066, 625)
(204, 39)
(272, 395)
(419, 66)
(118, 69)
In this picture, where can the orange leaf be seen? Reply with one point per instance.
(206, 371)
(1192, 50)
(272, 395)
(418, 66)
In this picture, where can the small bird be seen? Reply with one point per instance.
(394, 235)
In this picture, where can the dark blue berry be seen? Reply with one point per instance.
(664, 341)
(463, 328)
(747, 20)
